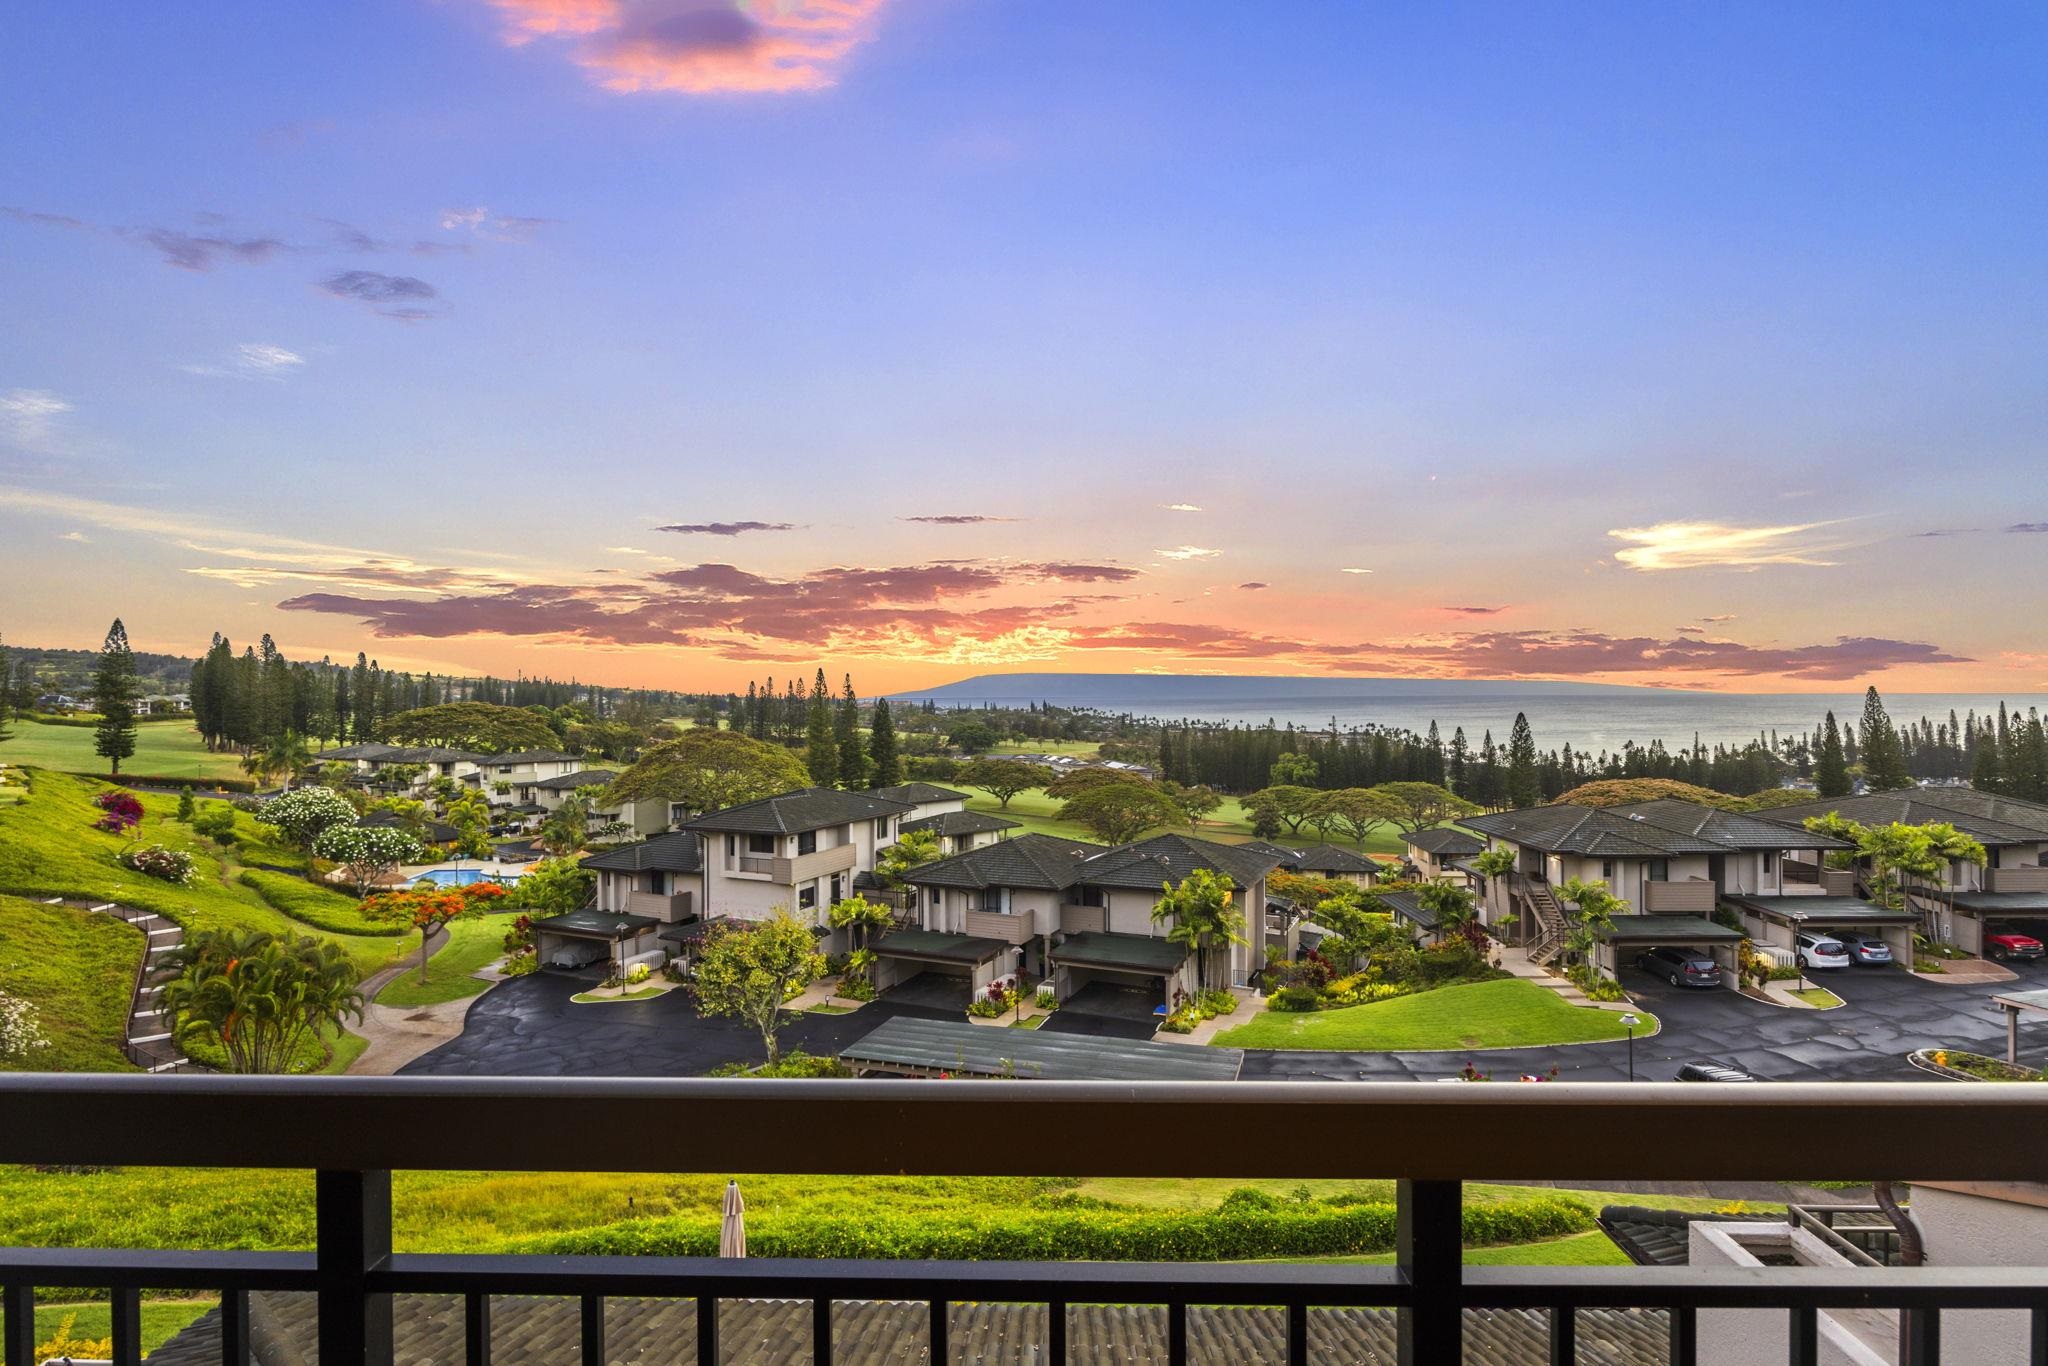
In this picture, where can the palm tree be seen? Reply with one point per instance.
(1203, 916)
(259, 997)
(1451, 904)
(569, 827)
(285, 754)
(1952, 846)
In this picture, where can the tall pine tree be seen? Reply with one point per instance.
(821, 755)
(1884, 758)
(6, 701)
(114, 691)
(1525, 783)
(1831, 768)
(882, 750)
(853, 759)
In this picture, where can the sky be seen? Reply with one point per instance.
(683, 342)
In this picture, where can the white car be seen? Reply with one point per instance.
(1821, 951)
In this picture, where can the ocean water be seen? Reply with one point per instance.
(1594, 718)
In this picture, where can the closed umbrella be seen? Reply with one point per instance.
(732, 1223)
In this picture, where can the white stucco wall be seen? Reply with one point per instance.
(1745, 1337)
(1983, 1226)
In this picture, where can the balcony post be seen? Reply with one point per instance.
(352, 1215)
(20, 1329)
(1429, 1250)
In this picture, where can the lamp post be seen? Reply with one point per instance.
(1629, 1022)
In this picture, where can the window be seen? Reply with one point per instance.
(838, 888)
(807, 842)
(882, 828)
(807, 896)
(760, 844)
(1607, 870)
(1660, 870)
(1086, 896)
(1770, 861)
(1990, 856)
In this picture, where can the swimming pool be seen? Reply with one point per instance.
(452, 877)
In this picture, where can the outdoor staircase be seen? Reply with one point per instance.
(147, 1041)
(1547, 940)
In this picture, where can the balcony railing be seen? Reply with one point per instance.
(355, 1131)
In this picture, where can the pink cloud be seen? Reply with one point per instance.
(698, 47)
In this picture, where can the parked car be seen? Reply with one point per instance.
(1864, 948)
(2006, 946)
(1680, 967)
(578, 953)
(1821, 951)
(1711, 1071)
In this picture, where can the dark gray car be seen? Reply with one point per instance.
(1680, 967)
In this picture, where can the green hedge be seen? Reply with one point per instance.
(201, 787)
(1070, 1234)
(315, 906)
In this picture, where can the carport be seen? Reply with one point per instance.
(907, 1046)
(2013, 1003)
(1122, 960)
(1778, 919)
(1625, 936)
(1981, 913)
(617, 934)
(903, 954)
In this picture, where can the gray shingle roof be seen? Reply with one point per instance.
(792, 813)
(960, 823)
(1043, 862)
(529, 756)
(1328, 858)
(678, 852)
(1589, 830)
(1729, 828)
(1408, 907)
(1446, 842)
(582, 777)
(917, 794)
(1170, 858)
(1987, 819)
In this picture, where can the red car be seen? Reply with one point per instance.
(2004, 946)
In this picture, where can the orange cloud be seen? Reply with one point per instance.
(698, 47)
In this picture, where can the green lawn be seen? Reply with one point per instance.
(75, 968)
(1579, 1249)
(163, 749)
(470, 945)
(1818, 997)
(1502, 1014)
(94, 1320)
(1228, 824)
(1005, 748)
(1203, 1192)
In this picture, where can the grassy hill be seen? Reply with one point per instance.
(48, 847)
(163, 749)
(1227, 824)
(75, 967)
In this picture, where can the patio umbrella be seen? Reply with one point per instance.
(732, 1223)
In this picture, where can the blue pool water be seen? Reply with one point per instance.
(451, 877)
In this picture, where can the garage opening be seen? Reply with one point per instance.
(937, 971)
(1630, 938)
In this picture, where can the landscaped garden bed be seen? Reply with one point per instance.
(1958, 1065)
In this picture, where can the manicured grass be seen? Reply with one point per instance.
(1005, 748)
(94, 1320)
(163, 749)
(49, 848)
(1501, 1014)
(1579, 1249)
(591, 998)
(315, 906)
(1206, 1192)
(1818, 997)
(75, 968)
(471, 944)
(1029, 1022)
(822, 1009)
(1228, 824)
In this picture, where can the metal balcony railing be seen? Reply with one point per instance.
(355, 1131)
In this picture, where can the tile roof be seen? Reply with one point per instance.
(1044, 862)
(1589, 830)
(1125, 952)
(792, 813)
(917, 794)
(932, 946)
(1987, 819)
(593, 922)
(678, 852)
(1409, 907)
(1040, 1055)
(1824, 910)
(1447, 842)
(529, 756)
(1661, 929)
(1729, 828)
(1657, 1237)
(778, 1332)
(1170, 858)
(960, 823)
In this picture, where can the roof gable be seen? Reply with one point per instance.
(793, 813)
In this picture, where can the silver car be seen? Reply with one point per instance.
(1864, 948)
(1821, 951)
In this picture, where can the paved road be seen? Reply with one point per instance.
(1886, 1014)
(529, 1027)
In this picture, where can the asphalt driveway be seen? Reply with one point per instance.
(528, 1027)
(1886, 1014)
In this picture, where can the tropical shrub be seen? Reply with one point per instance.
(306, 814)
(521, 963)
(1047, 998)
(798, 1064)
(1216, 1003)
(64, 1347)
(216, 821)
(366, 852)
(165, 865)
(120, 811)
(553, 886)
(638, 974)
(258, 997)
(519, 938)
(855, 989)
(1294, 999)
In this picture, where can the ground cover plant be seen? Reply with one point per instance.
(1498, 1014)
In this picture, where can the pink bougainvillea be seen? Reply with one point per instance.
(120, 812)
